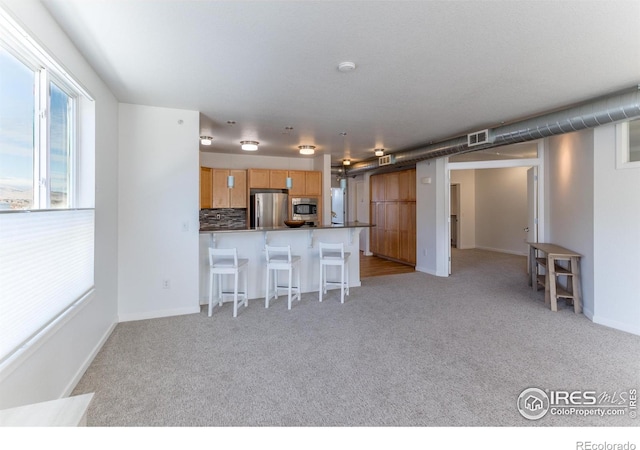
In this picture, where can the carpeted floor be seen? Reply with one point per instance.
(404, 350)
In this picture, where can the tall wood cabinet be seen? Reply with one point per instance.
(393, 212)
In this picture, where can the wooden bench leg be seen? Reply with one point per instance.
(551, 281)
(575, 285)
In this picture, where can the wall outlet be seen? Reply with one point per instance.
(166, 284)
(217, 216)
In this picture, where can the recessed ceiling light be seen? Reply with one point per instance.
(206, 140)
(346, 66)
(307, 149)
(379, 152)
(250, 146)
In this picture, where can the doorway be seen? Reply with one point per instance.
(494, 204)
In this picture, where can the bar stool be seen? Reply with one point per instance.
(280, 258)
(224, 261)
(334, 255)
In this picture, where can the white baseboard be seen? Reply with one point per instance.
(158, 314)
(430, 272)
(500, 250)
(627, 327)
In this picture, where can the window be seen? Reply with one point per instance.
(17, 106)
(628, 144)
(37, 138)
(47, 221)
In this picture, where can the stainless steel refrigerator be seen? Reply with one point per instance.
(269, 209)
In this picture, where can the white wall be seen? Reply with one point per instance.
(52, 370)
(431, 218)
(158, 222)
(501, 209)
(616, 228)
(570, 200)
(246, 160)
(466, 179)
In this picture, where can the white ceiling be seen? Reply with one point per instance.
(426, 70)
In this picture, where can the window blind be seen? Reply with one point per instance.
(46, 264)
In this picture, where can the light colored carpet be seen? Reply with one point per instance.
(404, 350)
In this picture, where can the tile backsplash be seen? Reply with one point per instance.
(223, 218)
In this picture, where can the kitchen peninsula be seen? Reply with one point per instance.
(304, 242)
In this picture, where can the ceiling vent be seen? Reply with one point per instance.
(386, 160)
(478, 138)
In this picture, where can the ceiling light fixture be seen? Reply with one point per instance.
(346, 162)
(250, 146)
(379, 151)
(307, 149)
(346, 66)
(206, 140)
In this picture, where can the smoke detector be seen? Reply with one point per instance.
(346, 66)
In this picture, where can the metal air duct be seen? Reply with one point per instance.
(623, 105)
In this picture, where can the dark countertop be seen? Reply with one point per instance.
(285, 228)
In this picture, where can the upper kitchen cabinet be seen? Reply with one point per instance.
(267, 179)
(258, 178)
(205, 188)
(238, 194)
(278, 179)
(305, 183)
(298, 183)
(313, 184)
(224, 197)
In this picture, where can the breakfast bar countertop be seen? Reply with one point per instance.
(207, 229)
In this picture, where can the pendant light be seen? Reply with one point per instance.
(231, 182)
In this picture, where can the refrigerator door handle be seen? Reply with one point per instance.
(257, 212)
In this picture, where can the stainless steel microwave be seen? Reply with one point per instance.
(304, 209)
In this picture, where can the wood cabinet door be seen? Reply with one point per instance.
(377, 188)
(407, 185)
(298, 183)
(278, 179)
(391, 230)
(258, 178)
(392, 186)
(205, 188)
(313, 184)
(238, 194)
(220, 194)
(407, 244)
